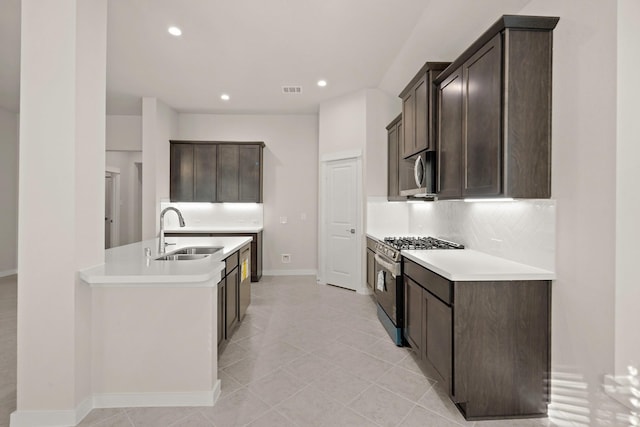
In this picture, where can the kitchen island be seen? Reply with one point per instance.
(154, 324)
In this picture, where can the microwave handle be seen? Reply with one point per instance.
(418, 171)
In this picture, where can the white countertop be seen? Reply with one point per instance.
(471, 265)
(128, 266)
(216, 229)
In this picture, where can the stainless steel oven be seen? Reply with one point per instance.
(389, 291)
(388, 288)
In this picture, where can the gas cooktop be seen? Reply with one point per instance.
(420, 243)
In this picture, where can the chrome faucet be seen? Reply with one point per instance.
(161, 244)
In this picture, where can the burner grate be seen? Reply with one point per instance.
(420, 243)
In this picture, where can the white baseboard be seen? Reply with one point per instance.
(43, 418)
(112, 400)
(6, 273)
(136, 400)
(289, 272)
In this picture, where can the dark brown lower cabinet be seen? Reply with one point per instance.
(371, 269)
(413, 315)
(244, 287)
(488, 342)
(371, 263)
(229, 299)
(222, 329)
(232, 300)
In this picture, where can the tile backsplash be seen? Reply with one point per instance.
(215, 214)
(522, 230)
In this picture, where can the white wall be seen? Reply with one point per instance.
(61, 201)
(356, 122)
(8, 192)
(130, 220)
(472, 19)
(159, 126)
(343, 124)
(290, 179)
(584, 138)
(627, 351)
(382, 108)
(124, 133)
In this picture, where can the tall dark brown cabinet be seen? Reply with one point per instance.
(418, 111)
(450, 105)
(494, 122)
(394, 135)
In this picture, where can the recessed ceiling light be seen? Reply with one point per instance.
(322, 83)
(175, 31)
(225, 97)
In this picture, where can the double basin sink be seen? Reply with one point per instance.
(190, 253)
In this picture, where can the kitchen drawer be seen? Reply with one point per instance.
(437, 285)
(231, 262)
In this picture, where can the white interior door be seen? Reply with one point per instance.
(341, 215)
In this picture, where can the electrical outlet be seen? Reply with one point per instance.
(286, 258)
(283, 220)
(303, 216)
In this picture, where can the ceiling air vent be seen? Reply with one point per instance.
(291, 90)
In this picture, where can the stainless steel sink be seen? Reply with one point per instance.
(182, 257)
(199, 250)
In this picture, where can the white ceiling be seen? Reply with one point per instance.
(251, 48)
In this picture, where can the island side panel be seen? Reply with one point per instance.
(154, 340)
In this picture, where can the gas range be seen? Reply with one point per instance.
(389, 286)
(392, 246)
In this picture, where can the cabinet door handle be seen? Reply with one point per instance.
(351, 230)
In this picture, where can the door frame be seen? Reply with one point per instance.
(325, 160)
(115, 204)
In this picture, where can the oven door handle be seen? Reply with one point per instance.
(392, 267)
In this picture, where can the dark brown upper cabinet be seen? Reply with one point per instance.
(216, 171)
(182, 172)
(418, 111)
(494, 113)
(205, 165)
(449, 158)
(394, 132)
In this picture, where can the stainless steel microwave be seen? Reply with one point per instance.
(417, 175)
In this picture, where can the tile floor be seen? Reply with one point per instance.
(8, 346)
(305, 355)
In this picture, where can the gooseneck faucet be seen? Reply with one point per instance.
(161, 244)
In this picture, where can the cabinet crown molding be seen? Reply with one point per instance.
(514, 22)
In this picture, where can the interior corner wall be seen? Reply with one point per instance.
(627, 344)
(124, 133)
(584, 165)
(342, 124)
(8, 192)
(290, 174)
(159, 126)
(381, 109)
